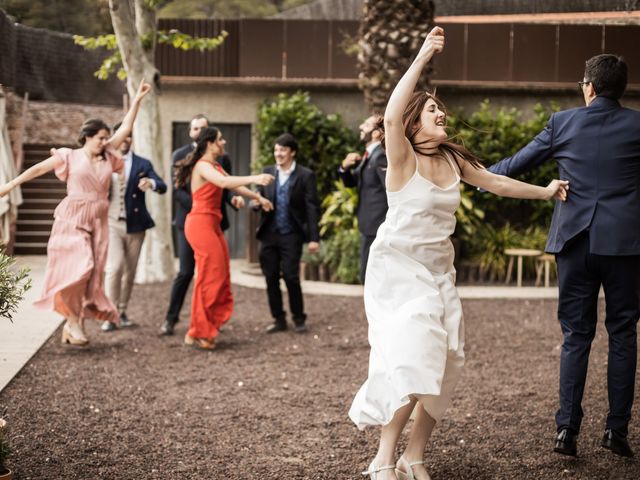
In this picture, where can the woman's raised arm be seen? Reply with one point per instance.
(127, 122)
(397, 145)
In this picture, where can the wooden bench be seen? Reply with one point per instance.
(518, 253)
(543, 263)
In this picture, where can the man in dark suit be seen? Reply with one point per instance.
(182, 204)
(283, 231)
(128, 221)
(368, 176)
(595, 236)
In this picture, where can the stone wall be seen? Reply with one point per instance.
(53, 123)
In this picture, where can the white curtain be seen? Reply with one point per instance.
(9, 203)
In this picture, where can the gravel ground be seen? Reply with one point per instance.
(134, 405)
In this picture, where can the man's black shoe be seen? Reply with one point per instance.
(124, 321)
(301, 328)
(276, 327)
(617, 443)
(167, 328)
(566, 443)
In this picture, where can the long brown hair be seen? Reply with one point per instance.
(184, 167)
(411, 123)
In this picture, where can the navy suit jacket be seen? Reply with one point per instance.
(138, 218)
(304, 205)
(369, 177)
(597, 148)
(182, 196)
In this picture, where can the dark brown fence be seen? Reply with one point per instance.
(264, 48)
(499, 53)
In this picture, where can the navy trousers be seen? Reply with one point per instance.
(580, 276)
(183, 278)
(280, 257)
(365, 246)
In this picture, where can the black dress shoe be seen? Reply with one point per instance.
(124, 321)
(566, 443)
(167, 328)
(301, 328)
(617, 443)
(276, 327)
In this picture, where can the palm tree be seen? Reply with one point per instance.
(391, 33)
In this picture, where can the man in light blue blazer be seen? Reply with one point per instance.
(595, 236)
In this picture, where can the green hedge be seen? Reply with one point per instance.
(323, 139)
(494, 135)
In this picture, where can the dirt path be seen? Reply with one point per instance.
(138, 406)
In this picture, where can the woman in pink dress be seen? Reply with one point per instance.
(77, 248)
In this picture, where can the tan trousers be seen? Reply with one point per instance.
(122, 260)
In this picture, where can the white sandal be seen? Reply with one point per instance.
(373, 470)
(408, 475)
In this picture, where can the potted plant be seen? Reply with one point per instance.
(13, 285)
(5, 473)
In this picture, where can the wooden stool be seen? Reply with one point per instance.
(518, 252)
(544, 262)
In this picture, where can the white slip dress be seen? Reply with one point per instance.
(416, 329)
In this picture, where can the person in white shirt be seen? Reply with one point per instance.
(128, 221)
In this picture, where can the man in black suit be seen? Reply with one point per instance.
(595, 236)
(368, 176)
(283, 231)
(182, 203)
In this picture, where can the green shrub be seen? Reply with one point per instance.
(13, 285)
(323, 140)
(494, 135)
(342, 254)
(489, 243)
(339, 228)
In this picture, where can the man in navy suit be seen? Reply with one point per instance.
(283, 231)
(182, 204)
(369, 177)
(595, 236)
(128, 221)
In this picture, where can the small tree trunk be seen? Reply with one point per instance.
(156, 258)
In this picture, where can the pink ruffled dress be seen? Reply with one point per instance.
(77, 248)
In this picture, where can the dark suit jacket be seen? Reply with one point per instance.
(304, 206)
(138, 218)
(182, 196)
(597, 148)
(369, 177)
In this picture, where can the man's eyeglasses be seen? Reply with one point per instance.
(582, 84)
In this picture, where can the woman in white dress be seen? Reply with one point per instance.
(416, 330)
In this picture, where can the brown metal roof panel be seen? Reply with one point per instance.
(450, 64)
(625, 41)
(489, 54)
(261, 48)
(307, 47)
(577, 43)
(534, 53)
(344, 38)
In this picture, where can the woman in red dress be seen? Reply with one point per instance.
(212, 302)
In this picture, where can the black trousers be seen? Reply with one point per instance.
(580, 275)
(183, 278)
(365, 245)
(280, 257)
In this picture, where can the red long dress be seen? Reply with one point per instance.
(212, 302)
